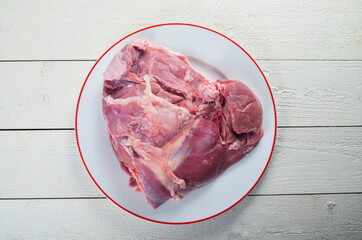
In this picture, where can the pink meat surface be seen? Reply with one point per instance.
(173, 130)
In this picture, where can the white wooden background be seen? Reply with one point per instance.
(311, 53)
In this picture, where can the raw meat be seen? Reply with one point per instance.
(172, 130)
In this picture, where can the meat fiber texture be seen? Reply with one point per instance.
(173, 130)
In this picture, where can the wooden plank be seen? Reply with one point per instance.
(267, 29)
(42, 164)
(307, 93)
(315, 160)
(46, 164)
(259, 217)
(316, 93)
(40, 94)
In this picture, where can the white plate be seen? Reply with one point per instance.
(202, 45)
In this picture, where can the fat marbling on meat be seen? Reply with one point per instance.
(173, 130)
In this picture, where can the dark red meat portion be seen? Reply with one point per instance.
(172, 130)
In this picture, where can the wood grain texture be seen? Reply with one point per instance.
(40, 94)
(307, 93)
(316, 93)
(311, 54)
(46, 164)
(259, 217)
(266, 29)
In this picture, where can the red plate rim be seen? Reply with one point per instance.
(275, 125)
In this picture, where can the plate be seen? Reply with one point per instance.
(213, 55)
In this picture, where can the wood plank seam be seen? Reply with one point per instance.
(250, 195)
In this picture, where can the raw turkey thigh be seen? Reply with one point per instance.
(173, 130)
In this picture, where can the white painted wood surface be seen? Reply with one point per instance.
(307, 93)
(267, 29)
(54, 156)
(311, 53)
(258, 217)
